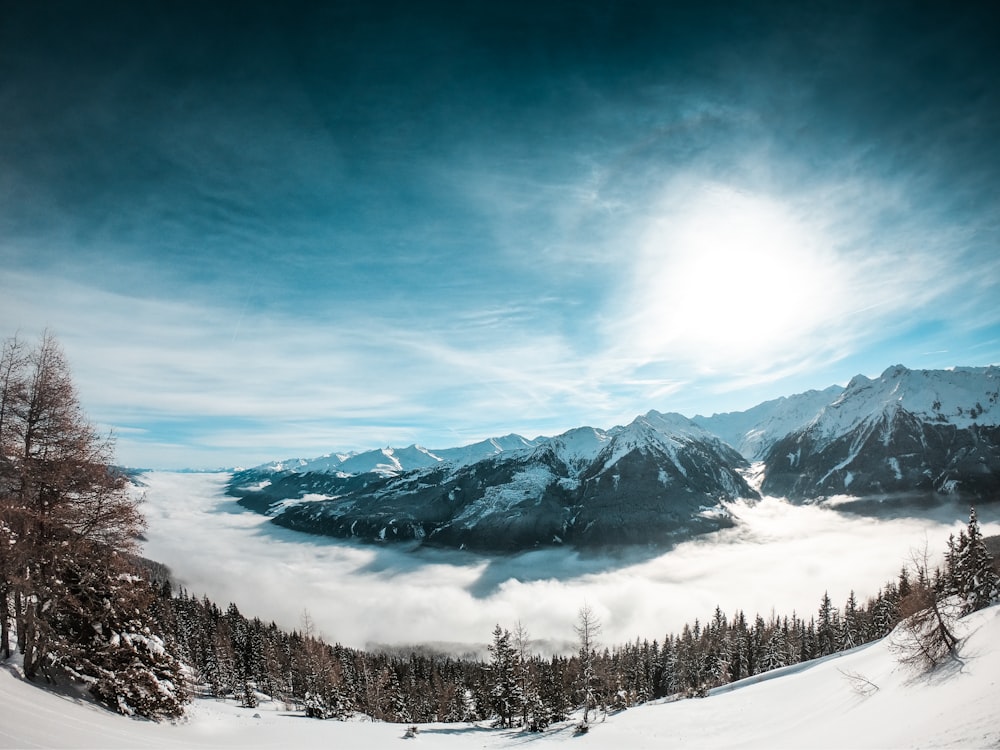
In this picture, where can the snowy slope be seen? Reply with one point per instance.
(468, 454)
(387, 461)
(814, 705)
(753, 431)
(962, 397)
(906, 433)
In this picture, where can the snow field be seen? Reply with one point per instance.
(858, 699)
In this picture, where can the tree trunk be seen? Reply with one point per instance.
(19, 615)
(5, 624)
(26, 634)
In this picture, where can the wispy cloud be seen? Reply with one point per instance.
(304, 222)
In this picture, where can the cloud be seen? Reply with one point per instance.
(780, 556)
(237, 384)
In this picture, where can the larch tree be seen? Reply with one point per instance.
(587, 628)
(70, 528)
(925, 637)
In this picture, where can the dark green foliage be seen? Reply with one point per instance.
(971, 574)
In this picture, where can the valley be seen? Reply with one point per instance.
(777, 555)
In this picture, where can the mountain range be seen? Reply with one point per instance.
(908, 436)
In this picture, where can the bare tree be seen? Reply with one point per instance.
(587, 629)
(13, 386)
(859, 683)
(925, 637)
(70, 527)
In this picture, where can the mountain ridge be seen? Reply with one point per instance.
(660, 478)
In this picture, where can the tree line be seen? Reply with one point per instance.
(83, 605)
(243, 658)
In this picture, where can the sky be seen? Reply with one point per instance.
(264, 230)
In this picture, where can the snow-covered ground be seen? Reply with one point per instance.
(860, 699)
(780, 556)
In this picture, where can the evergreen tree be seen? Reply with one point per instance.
(506, 698)
(775, 651)
(974, 577)
(851, 627)
(826, 632)
(533, 711)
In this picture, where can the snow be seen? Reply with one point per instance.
(390, 461)
(753, 431)
(666, 433)
(577, 447)
(961, 396)
(501, 499)
(859, 699)
(485, 448)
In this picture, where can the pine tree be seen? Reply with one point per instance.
(826, 632)
(775, 651)
(505, 695)
(533, 711)
(974, 577)
(851, 628)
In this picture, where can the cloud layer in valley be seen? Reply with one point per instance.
(780, 557)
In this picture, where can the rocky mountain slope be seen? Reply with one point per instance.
(905, 433)
(659, 479)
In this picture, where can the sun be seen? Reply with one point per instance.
(725, 276)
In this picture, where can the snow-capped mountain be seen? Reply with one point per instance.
(905, 432)
(390, 461)
(468, 454)
(658, 479)
(904, 435)
(754, 431)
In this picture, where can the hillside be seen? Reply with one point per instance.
(821, 704)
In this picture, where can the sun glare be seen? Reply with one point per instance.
(727, 276)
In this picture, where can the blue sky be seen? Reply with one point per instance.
(261, 232)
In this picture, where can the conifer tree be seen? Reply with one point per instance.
(826, 633)
(69, 526)
(505, 693)
(851, 626)
(587, 629)
(973, 575)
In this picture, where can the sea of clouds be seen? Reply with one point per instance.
(779, 557)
